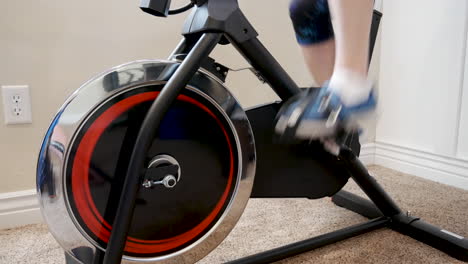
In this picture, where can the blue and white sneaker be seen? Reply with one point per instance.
(320, 114)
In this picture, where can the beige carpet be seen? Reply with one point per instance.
(269, 223)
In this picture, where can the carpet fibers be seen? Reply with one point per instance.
(269, 223)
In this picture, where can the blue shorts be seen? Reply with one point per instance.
(311, 20)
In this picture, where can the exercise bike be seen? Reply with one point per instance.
(154, 161)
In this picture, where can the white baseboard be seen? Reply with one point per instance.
(367, 155)
(442, 169)
(19, 208)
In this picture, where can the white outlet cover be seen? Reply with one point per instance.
(16, 104)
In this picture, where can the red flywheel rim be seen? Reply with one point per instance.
(82, 195)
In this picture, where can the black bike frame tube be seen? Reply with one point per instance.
(148, 131)
(368, 184)
(259, 57)
(180, 48)
(356, 204)
(313, 243)
(444, 240)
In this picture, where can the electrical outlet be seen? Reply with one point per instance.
(16, 104)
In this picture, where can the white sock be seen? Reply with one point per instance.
(353, 88)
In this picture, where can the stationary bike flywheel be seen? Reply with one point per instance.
(200, 166)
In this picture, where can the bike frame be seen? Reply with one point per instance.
(209, 22)
(235, 27)
(215, 22)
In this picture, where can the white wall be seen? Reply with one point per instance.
(423, 124)
(462, 146)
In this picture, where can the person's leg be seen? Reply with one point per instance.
(351, 23)
(320, 60)
(347, 97)
(314, 33)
